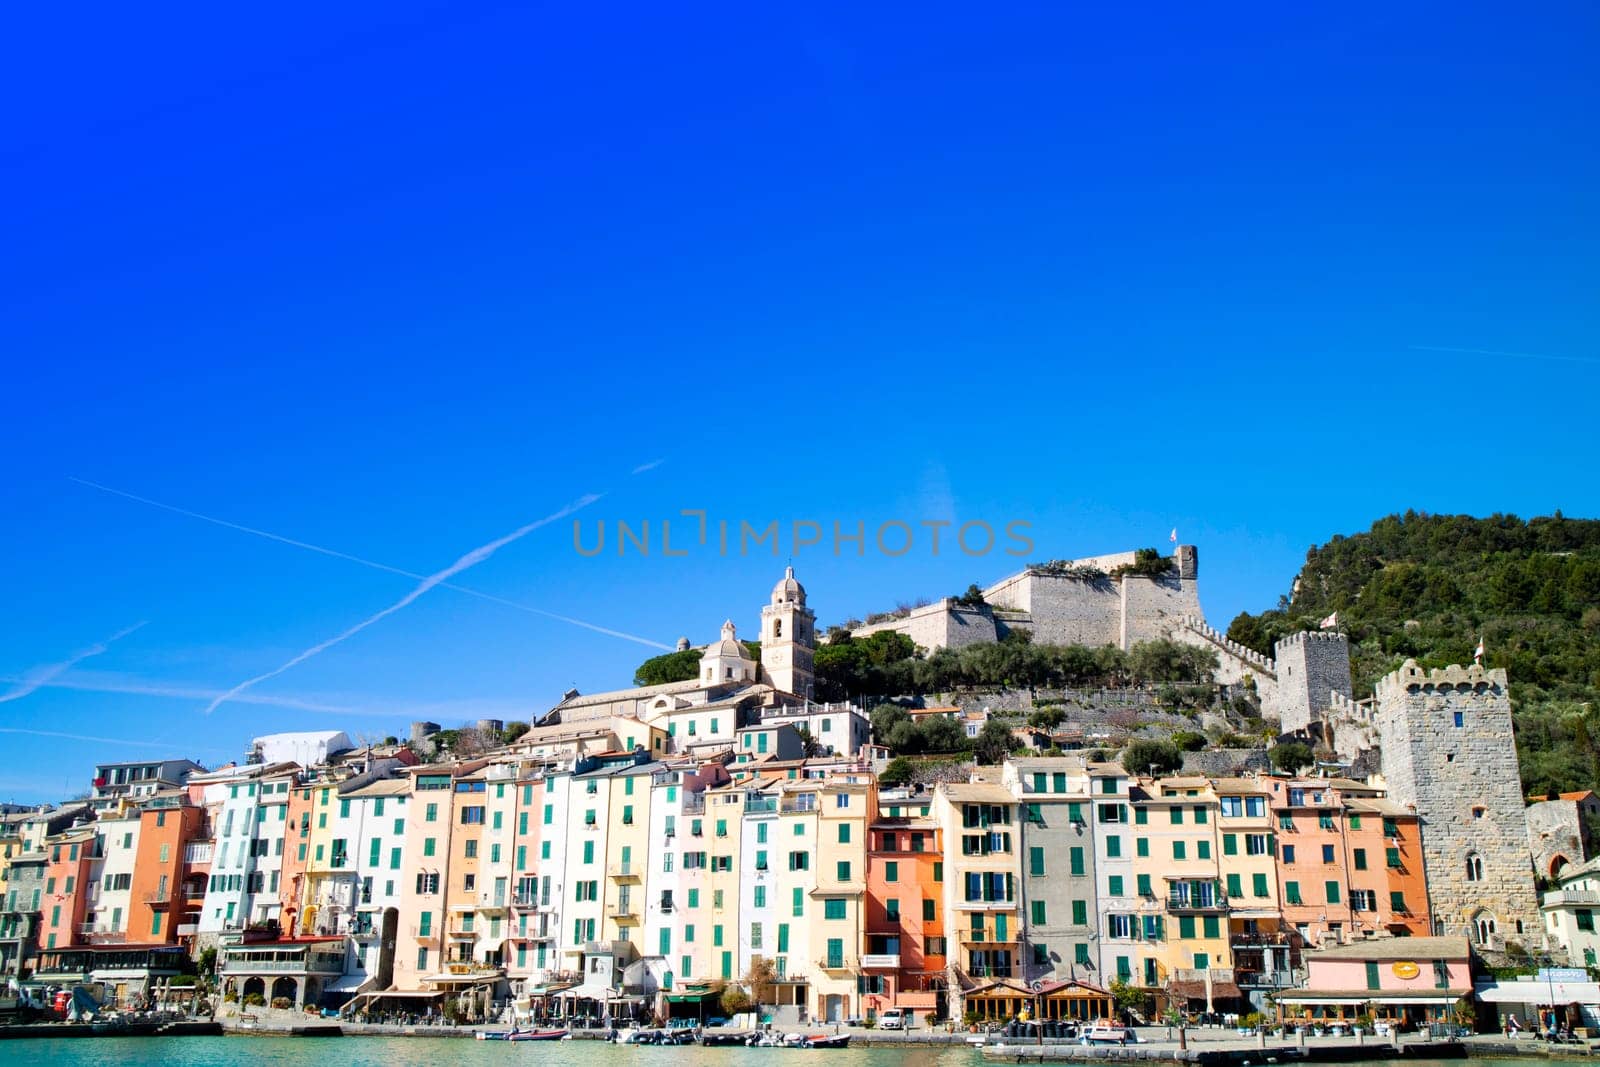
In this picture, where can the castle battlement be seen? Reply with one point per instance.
(1412, 678)
(1301, 637)
(1233, 648)
(1343, 707)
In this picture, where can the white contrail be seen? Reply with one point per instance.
(652, 465)
(42, 676)
(471, 559)
(1495, 352)
(99, 683)
(336, 554)
(87, 737)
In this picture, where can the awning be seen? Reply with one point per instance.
(1197, 990)
(347, 983)
(400, 994)
(1392, 996)
(549, 990)
(1535, 992)
(692, 998)
(591, 992)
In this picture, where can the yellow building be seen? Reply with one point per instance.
(1258, 941)
(982, 880)
(846, 806)
(1176, 864)
(797, 855)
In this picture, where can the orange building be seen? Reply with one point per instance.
(904, 955)
(167, 894)
(67, 877)
(296, 854)
(1346, 859)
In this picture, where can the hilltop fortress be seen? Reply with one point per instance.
(1121, 600)
(1440, 740)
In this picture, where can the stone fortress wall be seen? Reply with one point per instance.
(1449, 752)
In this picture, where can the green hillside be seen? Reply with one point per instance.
(1427, 586)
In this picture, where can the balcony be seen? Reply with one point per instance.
(969, 936)
(1264, 979)
(833, 964)
(881, 961)
(986, 905)
(1558, 897)
(429, 934)
(622, 911)
(492, 903)
(1188, 902)
(461, 934)
(100, 935)
(627, 872)
(159, 899)
(187, 929)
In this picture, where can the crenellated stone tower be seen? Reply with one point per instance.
(1312, 666)
(1449, 751)
(788, 637)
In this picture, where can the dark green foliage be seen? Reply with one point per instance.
(891, 726)
(1047, 718)
(1141, 756)
(671, 667)
(972, 598)
(847, 668)
(896, 772)
(1148, 562)
(1426, 586)
(513, 731)
(1189, 741)
(1291, 756)
(994, 742)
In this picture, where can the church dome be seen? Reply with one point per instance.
(728, 647)
(788, 591)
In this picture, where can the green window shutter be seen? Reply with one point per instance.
(1397, 902)
(1141, 816)
(783, 937)
(1080, 913)
(1210, 926)
(1234, 888)
(1143, 885)
(1141, 847)
(799, 901)
(1035, 861)
(1037, 909)
(1373, 980)
(1203, 850)
(928, 913)
(1291, 893)
(1392, 857)
(1230, 844)
(938, 871)
(1258, 885)
(1186, 927)
(1179, 851)
(891, 871)
(1332, 891)
(1360, 857)
(1114, 885)
(1076, 860)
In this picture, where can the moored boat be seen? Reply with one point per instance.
(537, 1035)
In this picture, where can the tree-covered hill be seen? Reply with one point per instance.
(1427, 586)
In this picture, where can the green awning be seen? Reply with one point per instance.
(692, 998)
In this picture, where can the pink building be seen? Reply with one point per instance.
(1405, 980)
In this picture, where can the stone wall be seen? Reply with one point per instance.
(1556, 832)
(1235, 662)
(1311, 666)
(1226, 762)
(940, 625)
(1449, 751)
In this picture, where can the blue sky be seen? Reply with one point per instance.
(397, 280)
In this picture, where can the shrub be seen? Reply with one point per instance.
(282, 1002)
(254, 1000)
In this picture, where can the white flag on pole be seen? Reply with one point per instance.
(1330, 622)
(1173, 537)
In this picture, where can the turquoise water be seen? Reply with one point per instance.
(455, 1052)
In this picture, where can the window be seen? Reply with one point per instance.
(928, 914)
(1141, 816)
(1359, 856)
(1113, 846)
(1391, 857)
(469, 849)
(1179, 850)
(1230, 844)
(1291, 893)
(1202, 850)
(1474, 867)
(1585, 919)
(1235, 885)
(1176, 815)
(1143, 885)
(1080, 913)
(1036, 861)
(1037, 912)
(1141, 846)
(891, 871)
(1075, 860)
(844, 833)
(799, 902)
(1199, 815)
(1258, 885)
(1332, 889)
(1114, 885)
(1327, 853)
(844, 870)
(1257, 844)
(1397, 902)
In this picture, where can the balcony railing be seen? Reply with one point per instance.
(881, 960)
(158, 898)
(100, 935)
(1191, 902)
(832, 963)
(1558, 897)
(1264, 979)
(627, 872)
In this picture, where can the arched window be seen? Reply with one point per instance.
(1474, 867)
(1483, 928)
(777, 627)
(1556, 865)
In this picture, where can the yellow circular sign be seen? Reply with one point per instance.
(1405, 969)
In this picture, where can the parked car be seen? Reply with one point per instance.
(893, 1019)
(1107, 1034)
